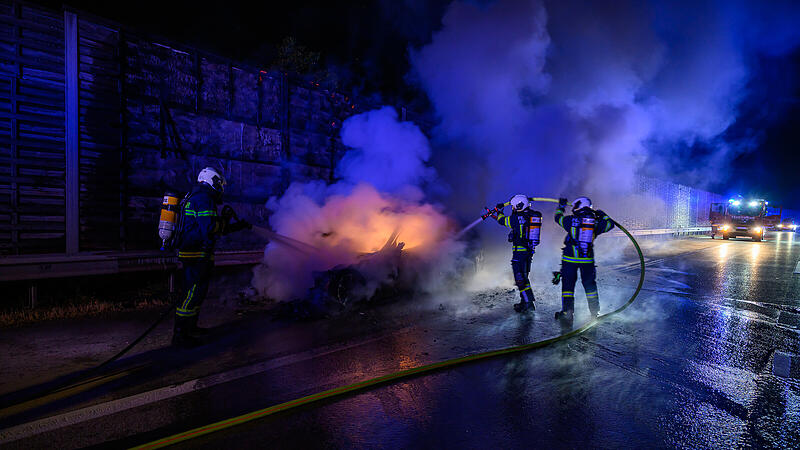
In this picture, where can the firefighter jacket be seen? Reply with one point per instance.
(200, 225)
(578, 247)
(525, 227)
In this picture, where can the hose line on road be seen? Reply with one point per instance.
(86, 378)
(403, 374)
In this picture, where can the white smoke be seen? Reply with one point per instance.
(545, 98)
(567, 98)
(379, 195)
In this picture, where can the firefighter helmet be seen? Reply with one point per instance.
(519, 202)
(212, 178)
(580, 203)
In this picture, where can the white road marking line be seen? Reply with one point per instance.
(797, 268)
(70, 418)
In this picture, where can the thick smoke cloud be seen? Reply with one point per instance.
(379, 195)
(574, 93)
(577, 98)
(385, 153)
(546, 98)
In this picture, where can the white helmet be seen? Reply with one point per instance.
(212, 178)
(580, 203)
(519, 202)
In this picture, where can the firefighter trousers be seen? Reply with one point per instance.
(569, 277)
(196, 276)
(521, 265)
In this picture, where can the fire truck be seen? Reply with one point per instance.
(740, 217)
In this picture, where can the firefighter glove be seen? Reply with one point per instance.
(237, 226)
(227, 214)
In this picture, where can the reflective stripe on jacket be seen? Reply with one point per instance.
(200, 224)
(571, 226)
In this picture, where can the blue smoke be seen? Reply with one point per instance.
(569, 97)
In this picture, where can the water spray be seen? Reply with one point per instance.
(286, 241)
(385, 379)
(343, 391)
(494, 211)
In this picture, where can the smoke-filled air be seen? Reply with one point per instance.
(378, 201)
(543, 98)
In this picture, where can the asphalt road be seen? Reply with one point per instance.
(690, 364)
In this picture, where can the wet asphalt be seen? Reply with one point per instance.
(689, 365)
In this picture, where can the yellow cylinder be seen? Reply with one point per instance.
(169, 217)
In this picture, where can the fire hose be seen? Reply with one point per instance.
(91, 376)
(403, 374)
(95, 375)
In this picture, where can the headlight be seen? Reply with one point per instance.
(757, 229)
(780, 225)
(726, 227)
(794, 227)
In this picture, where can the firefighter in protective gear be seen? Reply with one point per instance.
(582, 227)
(200, 227)
(525, 225)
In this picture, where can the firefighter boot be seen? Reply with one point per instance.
(194, 330)
(526, 301)
(564, 315)
(594, 305)
(181, 336)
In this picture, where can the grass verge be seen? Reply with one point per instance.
(78, 309)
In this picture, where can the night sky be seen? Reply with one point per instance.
(368, 42)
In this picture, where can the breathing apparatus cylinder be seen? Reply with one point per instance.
(586, 233)
(535, 229)
(169, 218)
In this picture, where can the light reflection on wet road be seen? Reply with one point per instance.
(688, 365)
(688, 370)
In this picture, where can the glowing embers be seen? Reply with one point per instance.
(364, 220)
(346, 228)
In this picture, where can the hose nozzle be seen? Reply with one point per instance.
(489, 212)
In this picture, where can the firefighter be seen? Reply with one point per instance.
(525, 225)
(197, 235)
(578, 254)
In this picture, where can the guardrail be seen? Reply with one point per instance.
(51, 266)
(38, 267)
(681, 231)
